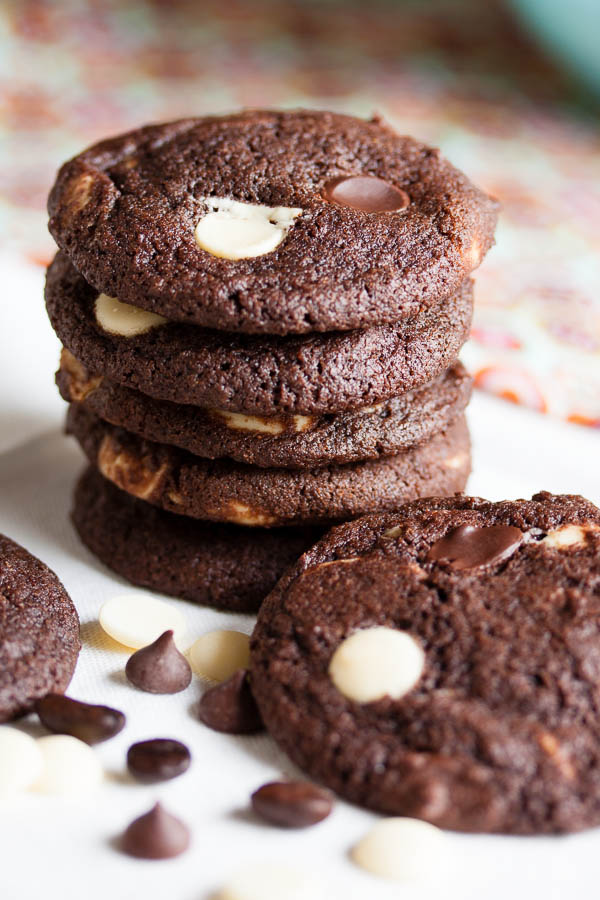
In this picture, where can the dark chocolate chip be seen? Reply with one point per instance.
(471, 545)
(367, 193)
(230, 706)
(159, 668)
(86, 721)
(156, 835)
(158, 759)
(292, 804)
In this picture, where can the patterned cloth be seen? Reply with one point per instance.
(457, 74)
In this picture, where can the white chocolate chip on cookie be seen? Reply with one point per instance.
(242, 422)
(376, 662)
(123, 319)
(235, 230)
(126, 471)
(569, 535)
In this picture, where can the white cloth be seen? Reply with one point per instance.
(64, 849)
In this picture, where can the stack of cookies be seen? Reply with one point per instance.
(261, 315)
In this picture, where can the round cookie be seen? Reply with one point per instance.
(224, 566)
(302, 375)
(224, 491)
(39, 633)
(345, 224)
(496, 729)
(293, 442)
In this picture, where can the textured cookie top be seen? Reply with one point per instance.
(39, 631)
(350, 224)
(497, 729)
(257, 374)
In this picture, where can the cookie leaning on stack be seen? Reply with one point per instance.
(293, 290)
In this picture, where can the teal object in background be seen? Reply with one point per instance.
(569, 30)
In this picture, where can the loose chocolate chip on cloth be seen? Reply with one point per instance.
(224, 491)
(271, 222)
(89, 722)
(258, 375)
(39, 631)
(501, 730)
(225, 566)
(301, 442)
(159, 668)
(158, 759)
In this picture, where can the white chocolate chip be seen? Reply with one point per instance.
(263, 424)
(401, 848)
(303, 423)
(269, 881)
(69, 766)
(396, 531)
(21, 761)
(123, 319)
(456, 461)
(376, 662)
(473, 254)
(136, 620)
(79, 191)
(568, 535)
(234, 230)
(245, 515)
(334, 562)
(369, 410)
(241, 422)
(128, 472)
(218, 654)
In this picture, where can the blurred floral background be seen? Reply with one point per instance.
(461, 74)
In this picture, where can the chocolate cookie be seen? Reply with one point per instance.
(224, 491)
(224, 566)
(302, 375)
(271, 222)
(39, 631)
(442, 662)
(293, 442)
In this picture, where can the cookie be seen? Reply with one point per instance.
(293, 442)
(302, 375)
(39, 631)
(224, 491)
(442, 662)
(224, 566)
(271, 222)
